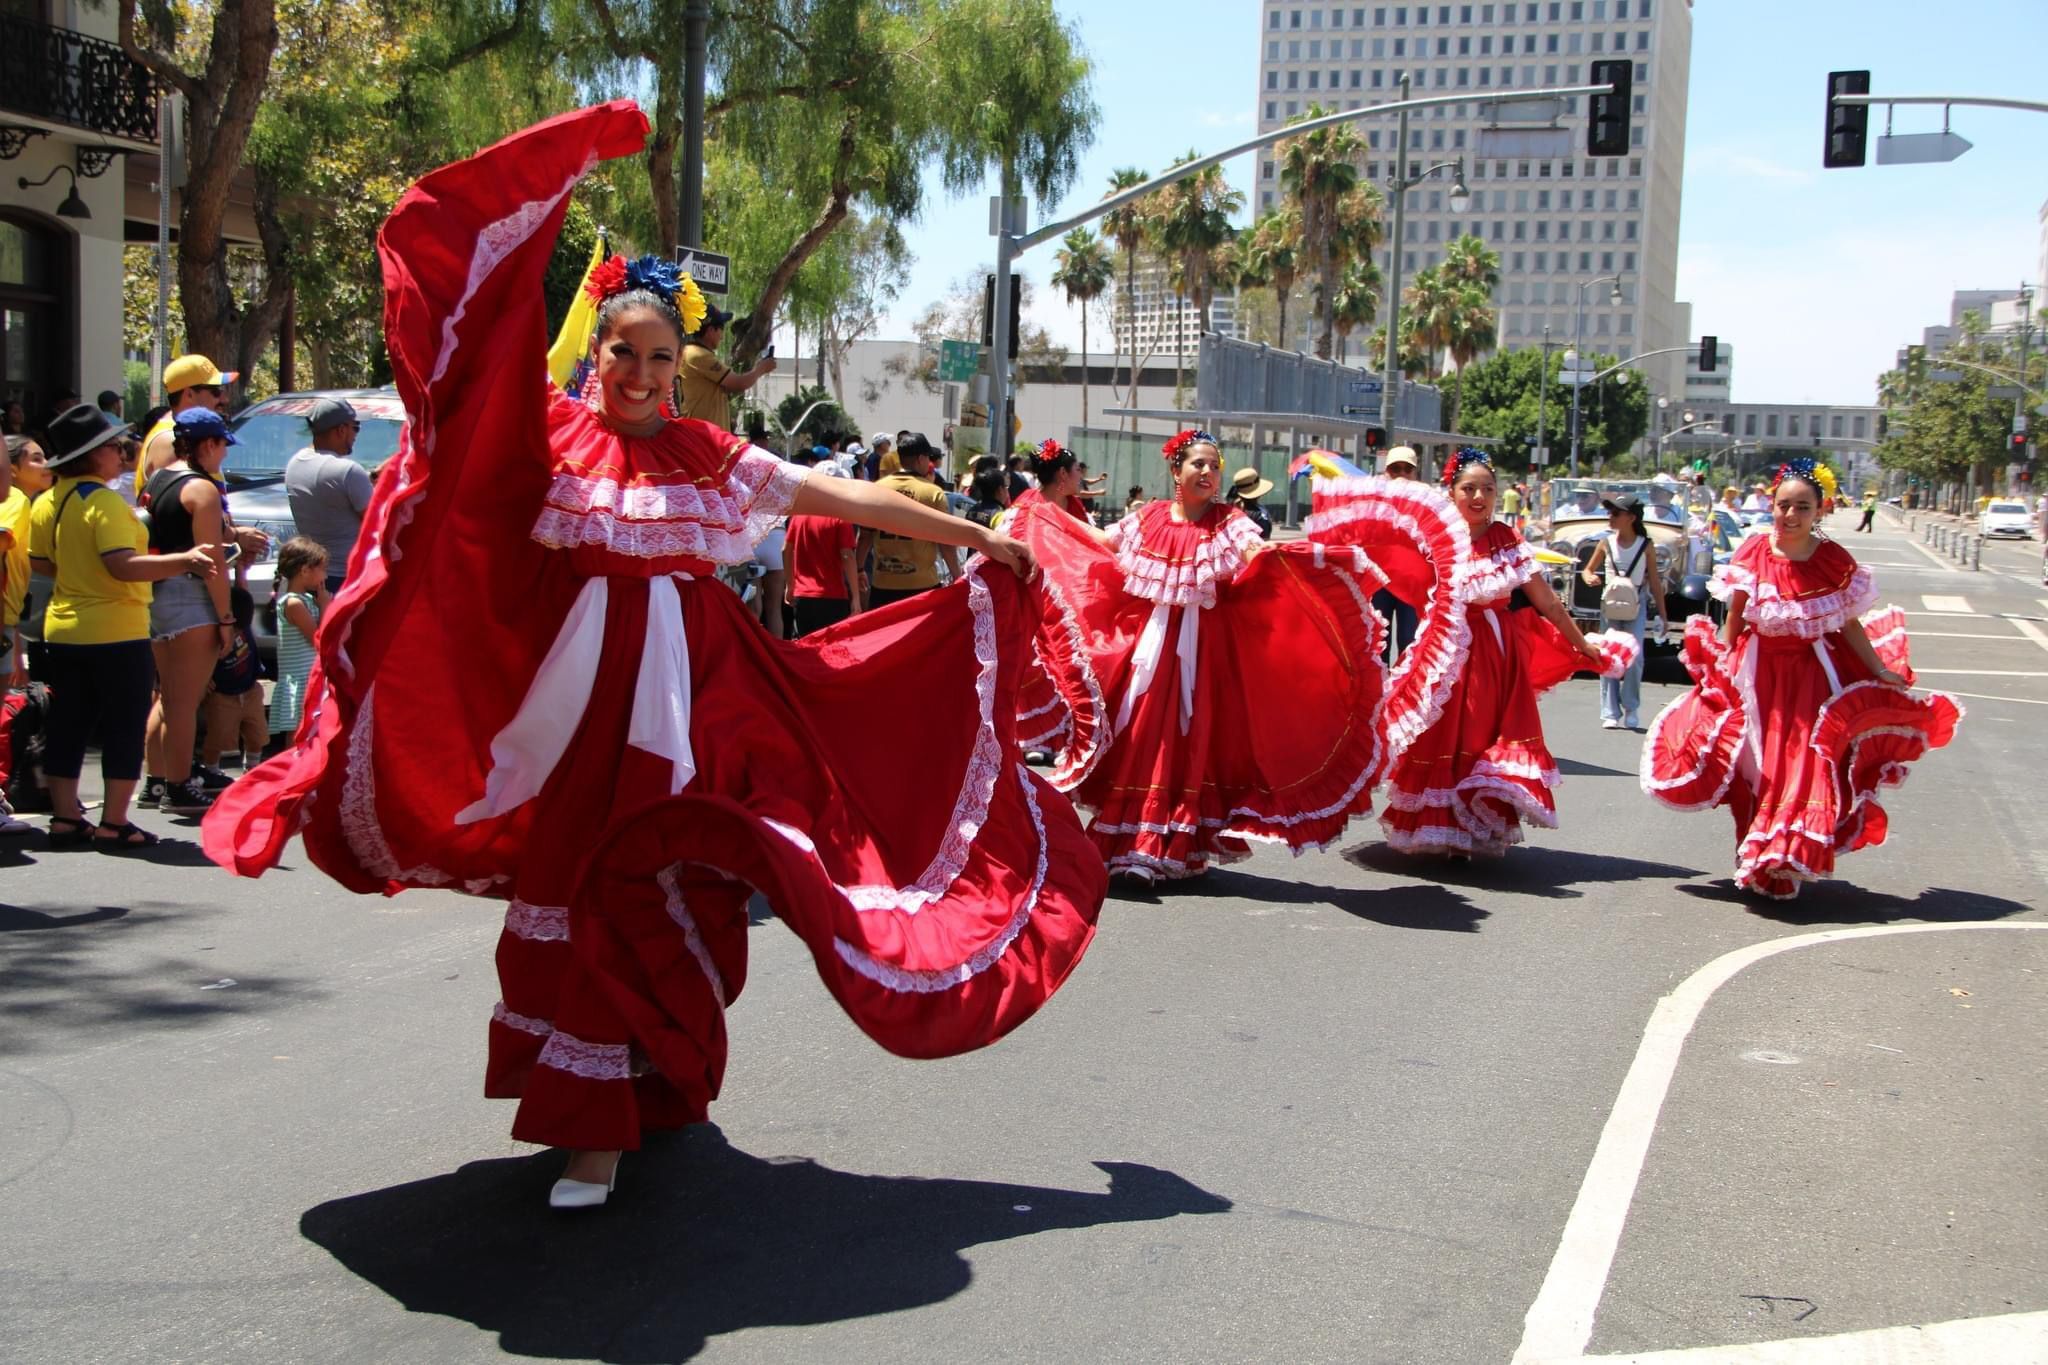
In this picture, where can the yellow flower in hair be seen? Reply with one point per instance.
(1825, 477)
(690, 303)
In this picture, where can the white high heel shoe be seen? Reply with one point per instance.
(582, 1194)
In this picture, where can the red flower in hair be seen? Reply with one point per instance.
(1050, 450)
(1178, 443)
(606, 279)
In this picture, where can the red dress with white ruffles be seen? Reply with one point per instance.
(1787, 728)
(534, 688)
(1206, 690)
(1483, 768)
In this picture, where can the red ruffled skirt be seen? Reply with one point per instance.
(945, 891)
(1483, 768)
(1278, 740)
(1797, 739)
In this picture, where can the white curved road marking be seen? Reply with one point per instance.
(1560, 1323)
(2009, 1339)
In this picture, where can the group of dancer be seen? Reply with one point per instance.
(534, 689)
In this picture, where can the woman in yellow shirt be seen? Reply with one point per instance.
(96, 631)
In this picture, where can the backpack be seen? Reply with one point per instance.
(22, 716)
(1620, 600)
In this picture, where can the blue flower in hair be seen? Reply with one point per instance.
(662, 277)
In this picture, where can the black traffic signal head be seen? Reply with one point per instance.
(1607, 115)
(1710, 350)
(1375, 438)
(2019, 440)
(1848, 125)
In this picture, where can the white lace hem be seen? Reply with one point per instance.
(693, 938)
(591, 1061)
(537, 923)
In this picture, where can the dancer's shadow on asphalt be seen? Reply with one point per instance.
(1835, 902)
(1572, 767)
(1529, 870)
(1419, 905)
(702, 1240)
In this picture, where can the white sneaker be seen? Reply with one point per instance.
(1610, 724)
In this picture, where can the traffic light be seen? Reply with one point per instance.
(2019, 444)
(988, 310)
(1710, 351)
(1375, 438)
(1607, 115)
(1848, 125)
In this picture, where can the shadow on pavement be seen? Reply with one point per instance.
(1529, 870)
(67, 972)
(701, 1240)
(1416, 905)
(1572, 767)
(1836, 902)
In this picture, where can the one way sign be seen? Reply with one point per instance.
(707, 268)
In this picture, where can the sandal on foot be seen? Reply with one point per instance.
(127, 838)
(79, 834)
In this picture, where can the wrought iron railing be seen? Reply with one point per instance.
(64, 76)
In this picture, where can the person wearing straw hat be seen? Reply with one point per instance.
(1246, 488)
(96, 633)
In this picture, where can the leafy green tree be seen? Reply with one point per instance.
(1500, 397)
(1339, 211)
(1273, 255)
(1358, 298)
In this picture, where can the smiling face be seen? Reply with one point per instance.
(31, 473)
(1473, 493)
(636, 366)
(1794, 505)
(1199, 476)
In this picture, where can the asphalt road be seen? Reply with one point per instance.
(1337, 1108)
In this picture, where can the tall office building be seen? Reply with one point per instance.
(1154, 314)
(1557, 222)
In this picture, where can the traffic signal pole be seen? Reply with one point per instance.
(1011, 243)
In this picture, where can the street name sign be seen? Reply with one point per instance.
(1916, 149)
(710, 270)
(959, 361)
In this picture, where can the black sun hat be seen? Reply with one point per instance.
(79, 430)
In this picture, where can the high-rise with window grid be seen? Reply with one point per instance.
(1555, 222)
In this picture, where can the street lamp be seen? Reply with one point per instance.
(1578, 339)
(1399, 182)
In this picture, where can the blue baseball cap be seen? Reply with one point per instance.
(197, 424)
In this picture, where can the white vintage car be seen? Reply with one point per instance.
(2006, 517)
(1683, 534)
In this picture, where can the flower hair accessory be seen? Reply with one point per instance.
(1808, 470)
(1049, 450)
(1178, 445)
(617, 275)
(1460, 458)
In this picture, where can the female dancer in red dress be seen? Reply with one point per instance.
(1482, 768)
(534, 688)
(1059, 481)
(1800, 712)
(1213, 690)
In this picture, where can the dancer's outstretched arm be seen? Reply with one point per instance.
(884, 509)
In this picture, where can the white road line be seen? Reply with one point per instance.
(1945, 603)
(1560, 1323)
(1981, 696)
(1976, 673)
(1966, 1341)
(1939, 561)
(2030, 630)
(1963, 635)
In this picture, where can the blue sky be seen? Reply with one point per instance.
(1816, 278)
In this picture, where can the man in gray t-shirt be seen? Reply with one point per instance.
(329, 492)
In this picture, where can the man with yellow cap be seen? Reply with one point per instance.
(190, 381)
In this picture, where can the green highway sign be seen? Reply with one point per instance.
(959, 361)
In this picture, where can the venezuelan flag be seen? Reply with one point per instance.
(569, 356)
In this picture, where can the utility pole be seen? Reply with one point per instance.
(690, 197)
(2019, 402)
(1390, 384)
(1009, 229)
(1543, 392)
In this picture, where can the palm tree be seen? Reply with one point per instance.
(1127, 227)
(1275, 242)
(1413, 366)
(1475, 329)
(1319, 169)
(1358, 299)
(1190, 220)
(1085, 270)
(1428, 310)
(1468, 260)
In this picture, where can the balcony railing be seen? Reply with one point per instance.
(63, 76)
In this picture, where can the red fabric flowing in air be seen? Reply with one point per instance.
(1787, 728)
(944, 891)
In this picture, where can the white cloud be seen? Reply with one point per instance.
(1240, 119)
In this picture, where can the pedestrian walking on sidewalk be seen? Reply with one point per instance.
(1869, 509)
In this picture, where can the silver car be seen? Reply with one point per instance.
(271, 432)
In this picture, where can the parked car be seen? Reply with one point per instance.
(2006, 517)
(271, 432)
(1683, 538)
